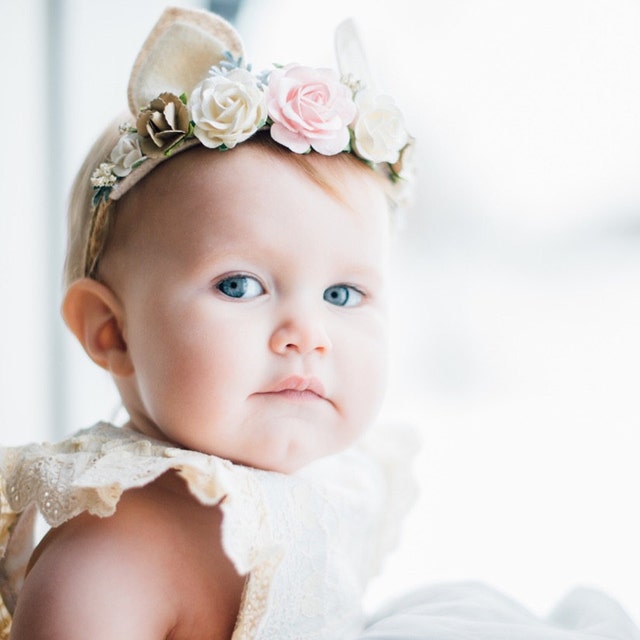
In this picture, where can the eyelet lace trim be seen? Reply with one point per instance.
(307, 558)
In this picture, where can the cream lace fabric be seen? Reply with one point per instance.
(307, 556)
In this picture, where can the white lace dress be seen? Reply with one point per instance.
(307, 542)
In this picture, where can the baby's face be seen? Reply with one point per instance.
(254, 306)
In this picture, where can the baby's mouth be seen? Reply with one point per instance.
(297, 387)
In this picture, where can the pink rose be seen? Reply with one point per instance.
(310, 109)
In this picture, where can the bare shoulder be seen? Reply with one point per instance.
(153, 570)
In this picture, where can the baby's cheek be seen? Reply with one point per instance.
(366, 380)
(376, 381)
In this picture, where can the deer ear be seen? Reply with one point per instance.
(351, 56)
(95, 316)
(178, 53)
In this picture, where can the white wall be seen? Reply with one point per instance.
(24, 323)
(517, 343)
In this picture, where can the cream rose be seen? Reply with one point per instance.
(310, 109)
(126, 154)
(227, 108)
(379, 130)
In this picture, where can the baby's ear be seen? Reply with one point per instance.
(95, 316)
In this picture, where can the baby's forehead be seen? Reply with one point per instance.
(205, 200)
(202, 176)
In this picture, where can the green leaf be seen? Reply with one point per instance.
(101, 193)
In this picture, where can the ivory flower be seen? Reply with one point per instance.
(227, 108)
(379, 130)
(310, 109)
(103, 176)
(126, 154)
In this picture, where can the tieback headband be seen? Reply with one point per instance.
(189, 85)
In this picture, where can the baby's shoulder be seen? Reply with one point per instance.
(160, 552)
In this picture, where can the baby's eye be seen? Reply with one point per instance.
(343, 295)
(240, 287)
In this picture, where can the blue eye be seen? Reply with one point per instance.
(240, 287)
(343, 295)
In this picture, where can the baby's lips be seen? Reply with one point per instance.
(299, 383)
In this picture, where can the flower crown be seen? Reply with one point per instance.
(189, 85)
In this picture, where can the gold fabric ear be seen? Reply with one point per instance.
(183, 46)
(350, 54)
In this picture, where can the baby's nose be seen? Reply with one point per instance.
(300, 335)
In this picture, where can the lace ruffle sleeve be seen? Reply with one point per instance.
(91, 470)
(307, 542)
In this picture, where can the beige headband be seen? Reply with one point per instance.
(189, 85)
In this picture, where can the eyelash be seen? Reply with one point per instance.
(240, 288)
(350, 290)
(242, 283)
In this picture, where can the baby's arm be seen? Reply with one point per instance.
(153, 570)
(90, 583)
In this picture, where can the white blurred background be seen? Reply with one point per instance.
(516, 345)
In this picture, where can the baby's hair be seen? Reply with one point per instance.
(328, 173)
(331, 176)
(80, 211)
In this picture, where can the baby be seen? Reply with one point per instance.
(228, 266)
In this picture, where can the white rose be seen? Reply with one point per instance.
(126, 154)
(227, 108)
(379, 131)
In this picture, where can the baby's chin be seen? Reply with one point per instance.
(286, 457)
(291, 445)
(287, 462)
